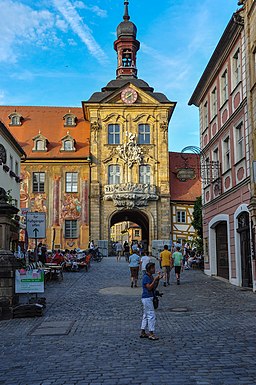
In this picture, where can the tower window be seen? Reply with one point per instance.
(127, 58)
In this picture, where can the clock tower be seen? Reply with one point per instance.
(129, 148)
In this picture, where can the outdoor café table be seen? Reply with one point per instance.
(54, 270)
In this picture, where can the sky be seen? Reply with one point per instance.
(59, 52)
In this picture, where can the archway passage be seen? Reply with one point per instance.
(244, 231)
(222, 250)
(135, 216)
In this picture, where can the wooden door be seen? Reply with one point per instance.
(222, 250)
(244, 230)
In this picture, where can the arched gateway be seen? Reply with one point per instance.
(129, 148)
(135, 216)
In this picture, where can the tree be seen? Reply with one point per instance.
(197, 222)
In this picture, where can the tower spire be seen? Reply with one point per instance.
(126, 12)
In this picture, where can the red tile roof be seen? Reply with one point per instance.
(49, 121)
(189, 190)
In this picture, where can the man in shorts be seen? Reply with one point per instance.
(166, 263)
(177, 263)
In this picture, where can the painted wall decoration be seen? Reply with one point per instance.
(38, 202)
(24, 189)
(71, 207)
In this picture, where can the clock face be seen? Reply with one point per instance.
(129, 96)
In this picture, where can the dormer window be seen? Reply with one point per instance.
(68, 143)
(40, 143)
(69, 120)
(15, 119)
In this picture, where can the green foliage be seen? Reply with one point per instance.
(197, 221)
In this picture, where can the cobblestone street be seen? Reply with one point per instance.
(89, 333)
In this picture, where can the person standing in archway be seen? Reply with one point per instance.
(119, 250)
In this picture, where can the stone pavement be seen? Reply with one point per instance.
(90, 334)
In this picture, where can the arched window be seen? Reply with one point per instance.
(69, 120)
(144, 176)
(113, 134)
(15, 119)
(40, 145)
(144, 134)
(68, 145)
(114, 174)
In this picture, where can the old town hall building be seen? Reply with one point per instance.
(93, 167)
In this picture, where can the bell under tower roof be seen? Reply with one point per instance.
(126, 46)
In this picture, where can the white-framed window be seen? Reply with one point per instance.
(144, 174)
(38, 181)
(224, 87)
(239, 138)
(114, 174)
(181, 216)
(214, 103)
(205, 115)
(69, 120)
(15, 119)
(144, 134)
(71, 182)
(226, 154)
(71, 229)
(113, 134)
(136, 233)
(40, 145)
(215, 155)
(68, 145)
(236, 68)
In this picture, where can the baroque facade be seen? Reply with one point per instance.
(221, 96)
(129, 148)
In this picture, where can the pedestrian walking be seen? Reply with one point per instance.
(134, 264)
(126, 249)
(149, 285)
(166, 263)
(119, 250)
(177, 263)
(145, 259)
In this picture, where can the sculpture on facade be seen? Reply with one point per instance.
(130, 152)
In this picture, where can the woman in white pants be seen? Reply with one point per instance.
(149, 284)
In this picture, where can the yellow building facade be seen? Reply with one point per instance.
(129, 148)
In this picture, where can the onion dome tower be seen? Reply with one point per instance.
(126, 46)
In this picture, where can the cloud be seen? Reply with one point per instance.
(70, 14)
(22, 25)
(95, 9)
